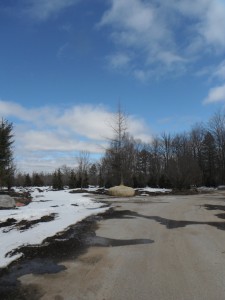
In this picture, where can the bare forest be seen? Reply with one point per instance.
(179, 160)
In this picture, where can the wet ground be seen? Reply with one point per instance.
(46, 258)
(52, 256)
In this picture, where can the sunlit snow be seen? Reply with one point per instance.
(67, 208)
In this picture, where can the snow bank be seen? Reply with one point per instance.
(67, 208)
(154, 190)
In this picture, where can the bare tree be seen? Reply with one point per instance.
(217, 128)
(166, 145)
(83, 162)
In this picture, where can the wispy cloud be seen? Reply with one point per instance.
(219, 72)
(119, 60)
(165, 36)
(41, 10)
(53, 130)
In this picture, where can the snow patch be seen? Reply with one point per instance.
(68, 209)
(155, 190)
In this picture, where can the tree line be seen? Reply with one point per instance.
(182, 160)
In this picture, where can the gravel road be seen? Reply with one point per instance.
(149, 248)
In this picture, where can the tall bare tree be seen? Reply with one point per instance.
(83, 163)
(217, 128)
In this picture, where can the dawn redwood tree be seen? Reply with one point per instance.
(116, 154)
(7, 167)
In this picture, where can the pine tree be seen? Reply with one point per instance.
(37, 180)
(57, 182)
(27, 181)
(7, 167)
(72, 180)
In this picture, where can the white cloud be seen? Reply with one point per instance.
(131, 14)
(43, 9)
(216, 94)
(39, 162)
(136, 24)
(55, 130)
(34, 140)
(165, 35)
(213, 24)
(207, 19)
(118, 60)
(138, 129)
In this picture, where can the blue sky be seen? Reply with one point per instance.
(65, 65)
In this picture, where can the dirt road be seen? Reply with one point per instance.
(150, 248)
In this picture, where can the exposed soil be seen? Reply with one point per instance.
(25, 224)
(8, 222)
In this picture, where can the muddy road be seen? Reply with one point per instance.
(146, 248)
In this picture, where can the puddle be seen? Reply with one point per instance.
(46, 258)
(220, 216)
(10, 286)
(214, 207)
(26, 292)
(169, 223)
(106, 242)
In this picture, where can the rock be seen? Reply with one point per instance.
(121, 191)
(7, 202)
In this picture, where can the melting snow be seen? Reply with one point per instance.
(155, 190)
(68, 209)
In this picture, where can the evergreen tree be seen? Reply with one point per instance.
(7, 167)
(72, 180)
(57, 182)
(37, 180)
(27, 181)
